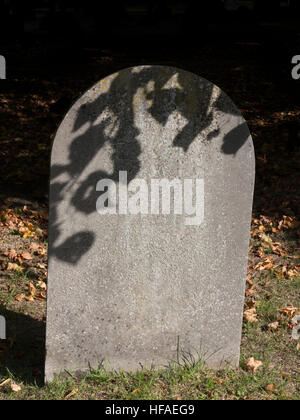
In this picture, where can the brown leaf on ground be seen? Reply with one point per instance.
(41, 296)
(271, 387)
(273, 325)
(42, 251)
(20, 297)
(250, 315)
(15, 387)
(41, 266)
(73, 392)
(250, 291)
(14, 267)
(285, 375)
(219, 381)
(42, 285)
(292, 273)
(32, 291)
(26, 256)
(12, 254)
(34, 246)
(253, 364)
(290, 311)
(251, 303)
(6, 382)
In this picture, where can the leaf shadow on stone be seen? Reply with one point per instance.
(119, 99)
(235, 139)
(75, 247)
(24, 349)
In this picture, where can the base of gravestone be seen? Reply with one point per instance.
(186, 359)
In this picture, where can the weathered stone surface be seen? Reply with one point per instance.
(134, 290)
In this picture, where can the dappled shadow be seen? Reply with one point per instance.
(235, 139)
(23, 353)
(109, 120)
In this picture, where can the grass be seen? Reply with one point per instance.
(278, 378)
(175, 383)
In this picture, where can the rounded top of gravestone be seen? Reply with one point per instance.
(175, 99)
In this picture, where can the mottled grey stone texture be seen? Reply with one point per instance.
(143, 290)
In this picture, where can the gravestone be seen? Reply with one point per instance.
(152, 174)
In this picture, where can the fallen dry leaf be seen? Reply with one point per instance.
(271, 387)
(42, 285)
(290, 311)
(269, 266)
(20, 297)
(34, 246)
(41, 266)
(12, 254)
(218, 381)
(14, 267)
(27, 233)
(73, 392)
(259, 266)
(26, 255)
(32, 291)
(6, 382)
(254, 364)
(250, 291)
(278, 251)
(250, 315)
(15, 387)
(42, 251)
(39, 232)
(41, 296)
(292, 273)
(285, 375)
(274, 325)
(251, 303)
(266, 238)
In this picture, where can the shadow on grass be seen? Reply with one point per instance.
(22, 354)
